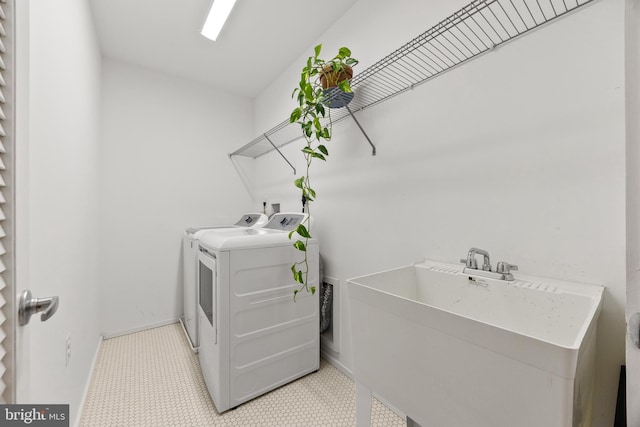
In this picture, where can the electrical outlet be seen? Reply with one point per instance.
(67, 350)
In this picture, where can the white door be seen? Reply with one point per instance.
(23, 336)
(632, 71)
(31, 309)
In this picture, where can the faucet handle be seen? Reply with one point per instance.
(505, 268)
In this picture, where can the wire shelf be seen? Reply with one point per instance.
(474, 30)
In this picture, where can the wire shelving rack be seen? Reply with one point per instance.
(477, 28)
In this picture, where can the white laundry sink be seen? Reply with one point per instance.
(450, 349)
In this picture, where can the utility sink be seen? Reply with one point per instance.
(447, 348)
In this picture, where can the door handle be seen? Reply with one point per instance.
(28, 306)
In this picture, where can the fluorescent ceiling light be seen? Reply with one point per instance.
(218, 14)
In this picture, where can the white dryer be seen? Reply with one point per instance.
(190, 267)
(253, 336)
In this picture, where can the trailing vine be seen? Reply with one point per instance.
(313, 108)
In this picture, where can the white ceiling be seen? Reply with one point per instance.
(260, 39)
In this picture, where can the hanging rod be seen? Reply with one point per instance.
(477, 28)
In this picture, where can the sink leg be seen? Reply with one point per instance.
(363, 405)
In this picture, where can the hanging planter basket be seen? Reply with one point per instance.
(329, 79)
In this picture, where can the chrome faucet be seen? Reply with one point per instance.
(471, 261)
(503, 269)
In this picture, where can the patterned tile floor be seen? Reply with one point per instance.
(152, 378)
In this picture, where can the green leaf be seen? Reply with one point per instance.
(307, 150)
(306, 127)
(307, 196)
(344, 52)
(302, 230)
(308, 92)
(312, 193)
(345, 86)
(323, 149)
(318, 156)
(317, 50)
(320, 109)
(299, 245)
(291, 234)
(326, 134)
(351, 61)
(297, 275)
(313, 290)
(295, 115)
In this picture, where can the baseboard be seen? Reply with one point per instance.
(390, 406)
(109, 335)
(88, 384)
(336, 363)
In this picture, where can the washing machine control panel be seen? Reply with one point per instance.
(248, 220)
(285, 221)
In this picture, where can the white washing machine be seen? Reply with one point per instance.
(190, 267)
(253, 336)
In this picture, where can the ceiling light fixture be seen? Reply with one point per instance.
(220, 10)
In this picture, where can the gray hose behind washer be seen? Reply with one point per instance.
(326, 300)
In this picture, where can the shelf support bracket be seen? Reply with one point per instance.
(280, 152)
(373, 147)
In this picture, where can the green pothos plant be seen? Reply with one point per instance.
(320, 81)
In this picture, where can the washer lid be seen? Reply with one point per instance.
(246, 220)
(245, 238)
(199, 230)
(242, 238)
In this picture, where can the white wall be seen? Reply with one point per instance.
(57, 180)
(520, 152)
(164, 167)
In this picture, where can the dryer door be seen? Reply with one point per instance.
(208, 291)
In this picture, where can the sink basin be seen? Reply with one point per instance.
(452, 349)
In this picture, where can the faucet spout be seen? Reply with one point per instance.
(471, 259)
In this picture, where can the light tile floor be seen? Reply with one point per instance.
(152, 378)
